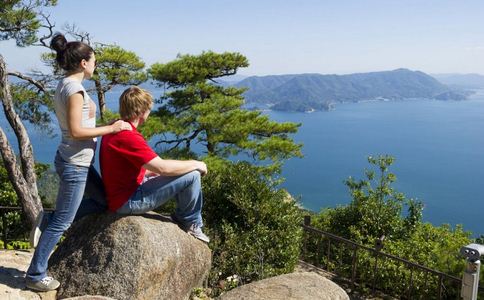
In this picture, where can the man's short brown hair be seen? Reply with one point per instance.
(134, 102)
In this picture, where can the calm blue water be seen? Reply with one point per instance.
(439, 150)
(438, 146)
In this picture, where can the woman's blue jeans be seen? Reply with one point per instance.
(75, 181)
(155, 191)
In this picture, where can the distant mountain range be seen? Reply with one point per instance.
(470, 81)
(308, 92)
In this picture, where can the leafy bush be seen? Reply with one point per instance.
(255, 227)
(12, 223)
(17, 226)
(15, 245)
(377, 210)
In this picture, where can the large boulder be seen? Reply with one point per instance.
(294, 286)
(130, 257)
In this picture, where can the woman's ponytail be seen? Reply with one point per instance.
(69, 54)
(58, 44)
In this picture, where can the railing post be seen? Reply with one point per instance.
(378, 247)
(410, 286)
(375, 269)
(307, 220)
(441, 283)
(4, 231)
(320, 252)
(353, 268)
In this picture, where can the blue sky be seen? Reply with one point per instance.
(282, 37)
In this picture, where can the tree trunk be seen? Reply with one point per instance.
(23, 178)
(101, 99)
(210, 144)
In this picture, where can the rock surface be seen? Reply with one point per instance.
(294, 286)
(89, 297)
(13, 265)
(131, 257)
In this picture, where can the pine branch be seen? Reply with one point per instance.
(49, 26)
(179, 141)
(38, 84)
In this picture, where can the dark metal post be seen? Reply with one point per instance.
(378, 247)
(353, 272)
(410, 286)
(441, 283)
(307, 220)
(375, 269)
(320, 253)
(4, 233)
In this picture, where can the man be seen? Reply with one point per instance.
(137, 180)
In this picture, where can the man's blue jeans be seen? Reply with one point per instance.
(70, 206)
(155, 191)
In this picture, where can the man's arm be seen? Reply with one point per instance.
(168, 167)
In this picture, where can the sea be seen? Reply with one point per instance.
(438, 148)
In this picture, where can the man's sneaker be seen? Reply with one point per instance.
(36, 230)
(44, 285)
(196, 231)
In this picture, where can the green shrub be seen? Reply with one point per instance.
(255, 227)
(15, 245)
(17, 226)
(377, 210)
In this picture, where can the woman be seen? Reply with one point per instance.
(76, 114)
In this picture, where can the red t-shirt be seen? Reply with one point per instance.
(122, 157)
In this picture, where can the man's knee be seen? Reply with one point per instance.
(196, 174)
(192, 179)
(193, 176)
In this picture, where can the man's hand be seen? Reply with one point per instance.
(202, 168)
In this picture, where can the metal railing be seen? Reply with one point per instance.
(369, 268)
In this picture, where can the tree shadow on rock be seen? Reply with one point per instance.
(12, 277)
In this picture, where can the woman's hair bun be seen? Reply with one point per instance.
(69, 54)
(58, 42)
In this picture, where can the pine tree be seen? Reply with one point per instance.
(21, 21)
(115, 66)
(198, 109)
